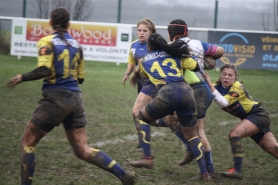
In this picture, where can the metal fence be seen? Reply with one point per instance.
(245, 48)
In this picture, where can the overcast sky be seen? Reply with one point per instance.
(254, 4)
(232, 14)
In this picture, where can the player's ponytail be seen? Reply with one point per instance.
(176, 49)
(60, 18)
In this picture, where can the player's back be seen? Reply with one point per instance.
(162, 68)
(63, 61)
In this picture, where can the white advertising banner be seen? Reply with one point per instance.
(100, 41)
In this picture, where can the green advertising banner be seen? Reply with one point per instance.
(247, 50)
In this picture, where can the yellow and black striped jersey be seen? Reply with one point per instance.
(240, 103)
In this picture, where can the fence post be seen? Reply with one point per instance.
(119, 10)
(215, 13)
(24, 9)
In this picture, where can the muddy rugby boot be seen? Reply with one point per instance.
(232, 173)
(145, 162)
(188, 157)
(130, 178)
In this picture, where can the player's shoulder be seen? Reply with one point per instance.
(73, 42)
(237, 86)
(194, 42)
(135, 42)
(47, 38)
(188, 39)
(45, 41)
(185, 39)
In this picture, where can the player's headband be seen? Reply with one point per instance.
(177, 30)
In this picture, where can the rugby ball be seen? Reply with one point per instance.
(209, 62)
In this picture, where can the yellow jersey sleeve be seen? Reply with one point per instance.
(81, 65)
(130, 59)
(235, 93)
(143, 72)
(188, 63)
(45, 52)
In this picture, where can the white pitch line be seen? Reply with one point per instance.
(123, 139)
(229, 122)
(154, 134)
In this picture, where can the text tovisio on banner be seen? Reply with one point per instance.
(247, 50)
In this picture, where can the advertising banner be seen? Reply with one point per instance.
(247, 50)
(100, 41)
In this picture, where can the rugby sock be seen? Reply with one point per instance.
(237, 151)
(161, 123)
(139, 146)
(105, 162)
(27, 165)
(182, 138)
(209, 163)
(198, 151)
(145, 137)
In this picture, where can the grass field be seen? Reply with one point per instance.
(111, 129)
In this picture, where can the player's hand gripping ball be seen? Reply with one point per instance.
(209, 62)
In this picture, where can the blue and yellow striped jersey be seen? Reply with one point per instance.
(162, 68)
(137, 51)
(65, 62)
(240, 102)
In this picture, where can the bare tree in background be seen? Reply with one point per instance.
(80, 9)
(275, 15)
(5, 38)
(265, 23)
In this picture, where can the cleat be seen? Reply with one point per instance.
(206, 177)
(145, 162)
(188, 157)
(130, 178)
(214, 175)
(232, 173)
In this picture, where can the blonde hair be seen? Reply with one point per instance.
(147, 22)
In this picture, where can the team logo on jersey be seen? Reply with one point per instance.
(45, 51)
(234, 94)
(133, 50)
